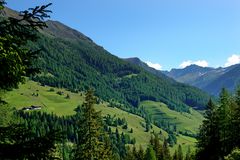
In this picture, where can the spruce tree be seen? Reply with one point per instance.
(134, 151)
(157, 147)
(130, 154)
(140, 153)
(224, 122)
(175, 155)
(208, 137)
(188, 154)
(166, 151)
(180, 153)
(235, 119)
(150, 154)
(90, 146)
(106, 152)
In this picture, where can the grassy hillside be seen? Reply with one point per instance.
(50, 101)
(189, 122)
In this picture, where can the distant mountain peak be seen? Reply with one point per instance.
(193, 66)
(137, 61)
(133, 59)
(207, 78)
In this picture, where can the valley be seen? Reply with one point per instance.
(63, 96)
(51, 102)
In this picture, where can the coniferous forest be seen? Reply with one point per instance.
(31, 47)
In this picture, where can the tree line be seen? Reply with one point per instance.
(220, 132)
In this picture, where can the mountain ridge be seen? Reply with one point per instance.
(71, 60)
(209, 79)
(137, 61)
(133, 88)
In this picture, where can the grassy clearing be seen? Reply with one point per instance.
(49, 100)
(184, 121)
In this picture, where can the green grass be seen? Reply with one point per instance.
(58, 104)
(184, 121)
(134, 122)
(52, 102)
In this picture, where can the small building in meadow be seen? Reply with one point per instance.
(32, 107)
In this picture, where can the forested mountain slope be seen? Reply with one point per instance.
(71, 60)
(76, 62)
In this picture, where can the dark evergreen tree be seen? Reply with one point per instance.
(166, 151)
(235, 120)
(175, 155)
(224, 122)
(134, 151)
(180, 153)
(172, 139)
(89, 144)
(209, 138)
(106, 153)
(130, 154)
(157, 147)
(219, 134)
(150, 154)
(188, 154)
(140, 153)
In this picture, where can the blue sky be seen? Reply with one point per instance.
(171, 33)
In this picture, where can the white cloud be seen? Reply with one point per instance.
(201, 63)
(233, 59)
(154, 65)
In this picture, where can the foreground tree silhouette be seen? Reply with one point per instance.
(92, 141)
(15, 58)
(15, 32)
(17, 142)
